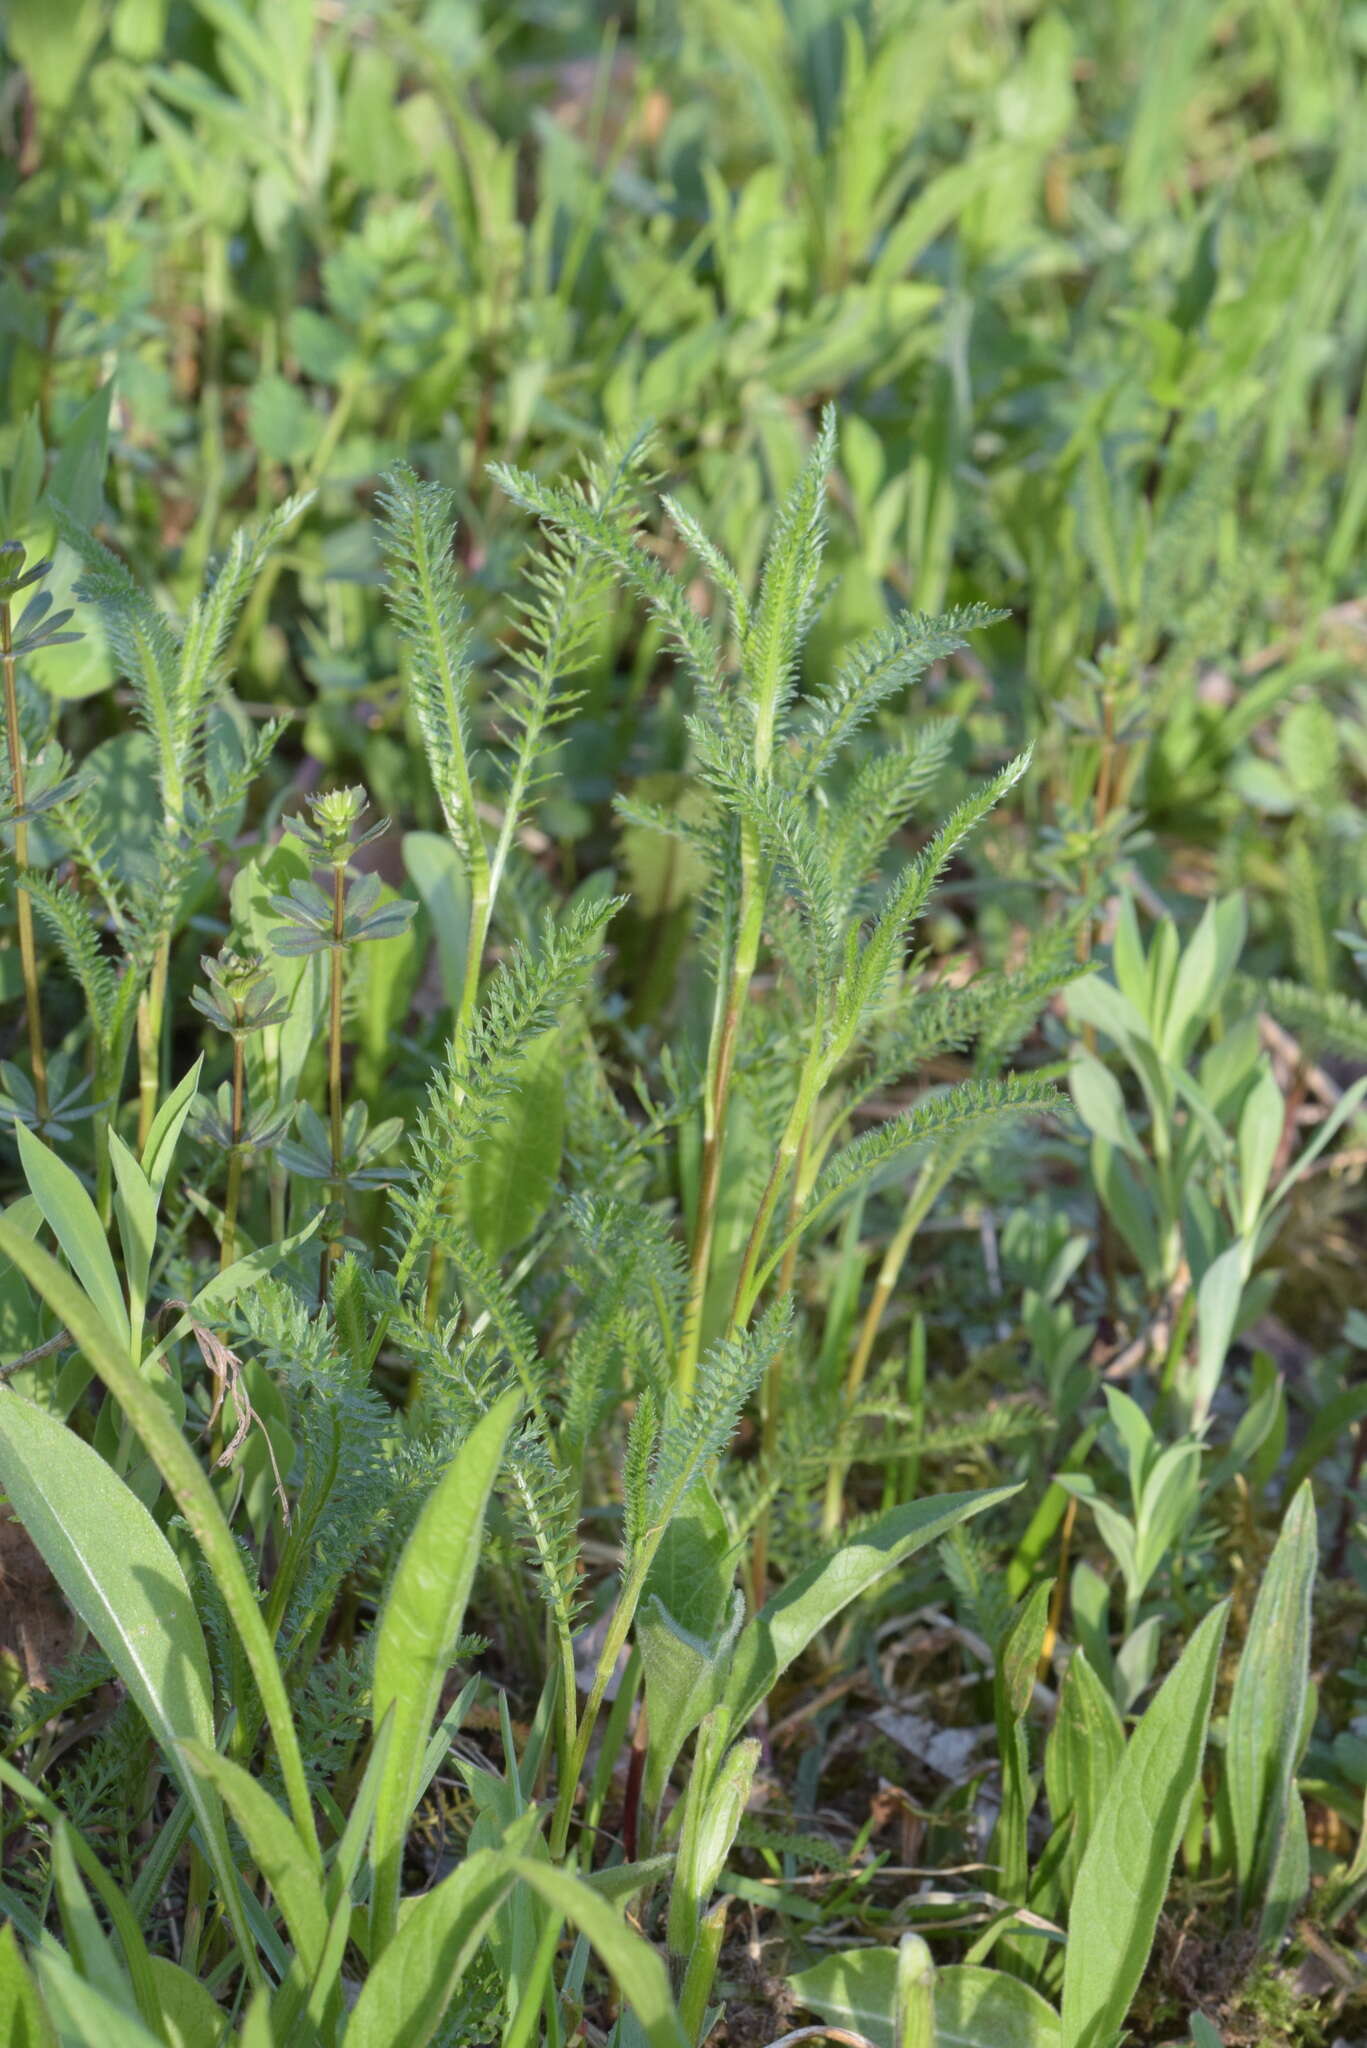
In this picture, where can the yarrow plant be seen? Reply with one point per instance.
(517, 1307)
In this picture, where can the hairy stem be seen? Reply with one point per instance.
(151, 1014)
(28, 955)
(233, 1194)
(481, 914)
(787, 1162)
(721, 1058)
(771, 1392)
(332, 1250)
(929, 1183)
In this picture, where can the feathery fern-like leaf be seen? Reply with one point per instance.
(880, 668)
(967, 1112)
(615, 540)
(416, 538)
(772, 645)
(692, 1435)
(863, 984)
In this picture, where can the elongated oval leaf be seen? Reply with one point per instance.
(974, 2008)
(1081, 1756)
(416, 1633)
(438, 873)
(125, 1582)
(135, 1205)
(190, 1489)
(90, 1947)
(640, 1973)
(1123, 1876)
(786, 1624)
(167, 1126)
(190, 2017)
(83, 2013)
(1267, 1708)
(72, 1218)
(409, 1988)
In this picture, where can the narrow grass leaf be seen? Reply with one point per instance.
(23, 2023)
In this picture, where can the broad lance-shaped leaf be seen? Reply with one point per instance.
(125, 1582)
(440, 877)
(191, 1490)
(72, 1217)
(91, 1949)
(974, 2008)
(1085, 1746)
(416, 1634)
(189, 2012)
(408, 1990)
(1123, 1877)
(685, 1677)
(1267, 1707)
(409, 1987)
(1018, 1656)
(83, 2013)
(637, 1967)
(786, 1624)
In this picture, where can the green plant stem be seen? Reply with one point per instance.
(482, 887)
(214, 294)
(787, 1163)
(332, 1249)
(771, 1392)
(151, 1014)
(232, 1195)
(614, 1642)
(720, 1066)
(929, 1183)
(28, 953)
